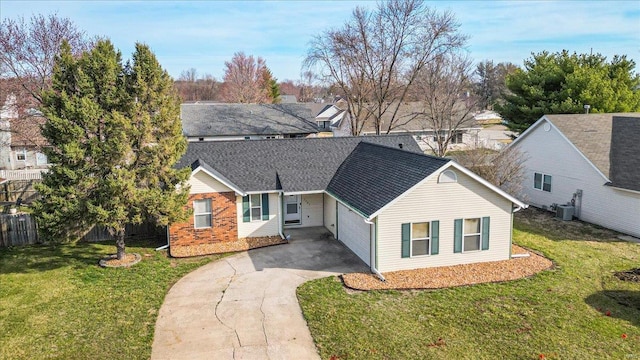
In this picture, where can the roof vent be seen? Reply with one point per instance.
(400, 145)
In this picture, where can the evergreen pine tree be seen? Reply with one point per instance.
(115, 135)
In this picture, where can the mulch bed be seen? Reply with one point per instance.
(629, 275)
(449, 276)
(113, 262)
(225, 246)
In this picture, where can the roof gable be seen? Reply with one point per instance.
(372, 176)
(590, 134)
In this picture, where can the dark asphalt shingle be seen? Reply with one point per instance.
(373, 175)
(289, 164)
(625, 153)
(217, 119)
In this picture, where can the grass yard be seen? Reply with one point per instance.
(57, 303)
(557, 314)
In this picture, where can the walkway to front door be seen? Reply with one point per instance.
(245, 306)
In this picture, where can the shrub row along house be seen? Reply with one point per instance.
(590, 162)
(394, 207)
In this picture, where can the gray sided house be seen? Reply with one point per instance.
(218, 121)
(394, 207)
(588, 164)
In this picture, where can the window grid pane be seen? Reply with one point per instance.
(420, 247)
(537, 181)
(419, 230)
(546, 185)
(255, 200)
(202, 206)
(256, 214)
(472, 226)
(471, 242)
(203, 221)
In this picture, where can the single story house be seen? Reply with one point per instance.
(202, 121)
(393, 206)
(590, 162)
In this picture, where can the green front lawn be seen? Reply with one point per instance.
(557, 314)
(56, 303)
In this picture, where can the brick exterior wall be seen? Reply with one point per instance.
(224, 225)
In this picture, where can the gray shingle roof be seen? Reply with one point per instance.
(289, 164)
(625, 153)
(373, 175)
(590, 133)
(215, 119)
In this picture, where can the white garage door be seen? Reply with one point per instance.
(354, 232)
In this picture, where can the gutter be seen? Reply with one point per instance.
(371, 251)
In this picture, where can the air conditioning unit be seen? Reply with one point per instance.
(565, 212)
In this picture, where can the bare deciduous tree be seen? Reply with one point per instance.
(376, 56)
(245, 80)
(504, 168)
(442, 88)
(27, 54)
(190, 87)
(28, 49)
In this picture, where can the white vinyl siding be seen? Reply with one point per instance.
(549, 153)
(330, 214)
(202, 183)
(262, 227)
(354, 233)
(446, 202)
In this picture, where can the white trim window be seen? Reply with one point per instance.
(21, 155)
(202, 214)
(256, 207)
(472, 234)
(542, 181)
(420, 239)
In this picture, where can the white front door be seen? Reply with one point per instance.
(292, 209)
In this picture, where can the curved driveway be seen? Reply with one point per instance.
(245, 306)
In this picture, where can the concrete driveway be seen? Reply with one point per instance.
(245, 306)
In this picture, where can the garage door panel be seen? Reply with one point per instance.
(354, 232)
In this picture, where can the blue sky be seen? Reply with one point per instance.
(204, 34)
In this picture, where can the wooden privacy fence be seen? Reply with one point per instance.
(22, 229)
(13, 190)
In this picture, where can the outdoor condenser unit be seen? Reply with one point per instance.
(565, 212)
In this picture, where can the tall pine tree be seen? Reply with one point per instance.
(115, 135)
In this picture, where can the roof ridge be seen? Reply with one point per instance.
(403, 150)
(307, 138)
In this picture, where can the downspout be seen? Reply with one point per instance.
(167, 245)
(280, 219)
(372, 250)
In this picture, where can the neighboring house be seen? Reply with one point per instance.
(287, 99)
(21, 142)
(394, 207)
(590, 161)
(330, 119)
(472, 134)
(218, 121)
